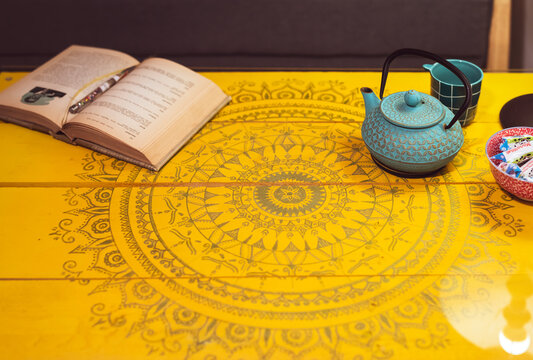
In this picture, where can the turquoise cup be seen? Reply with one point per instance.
(447, 87)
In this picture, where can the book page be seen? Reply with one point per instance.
(53, 87)
(145, 103)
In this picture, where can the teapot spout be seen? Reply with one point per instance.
(371, 100)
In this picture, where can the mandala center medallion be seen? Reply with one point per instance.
(289, 200)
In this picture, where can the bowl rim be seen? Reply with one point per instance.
(494, 166)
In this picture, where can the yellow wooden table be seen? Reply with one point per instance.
(271, 235)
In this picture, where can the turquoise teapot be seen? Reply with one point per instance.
(412, 133)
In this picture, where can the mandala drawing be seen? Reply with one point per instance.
(273, 234)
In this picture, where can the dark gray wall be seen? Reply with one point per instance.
(522, 35)
(248, 33)
(528, 36)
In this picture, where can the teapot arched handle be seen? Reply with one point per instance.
(440, 60)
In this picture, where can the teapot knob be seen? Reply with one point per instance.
(412, 98)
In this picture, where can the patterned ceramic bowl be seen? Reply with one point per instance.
(520, 188)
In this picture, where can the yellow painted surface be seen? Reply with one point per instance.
(271, 235)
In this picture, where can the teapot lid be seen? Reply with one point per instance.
(412, 109)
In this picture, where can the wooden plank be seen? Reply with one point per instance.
(60, 320)
(223, 153)
(95, 233)
(499, 36)
(55, 161)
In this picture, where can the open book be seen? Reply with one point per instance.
(145, 118)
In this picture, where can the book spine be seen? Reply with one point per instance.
(114, 154)
(26, 124)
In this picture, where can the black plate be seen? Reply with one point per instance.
(517, 112)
